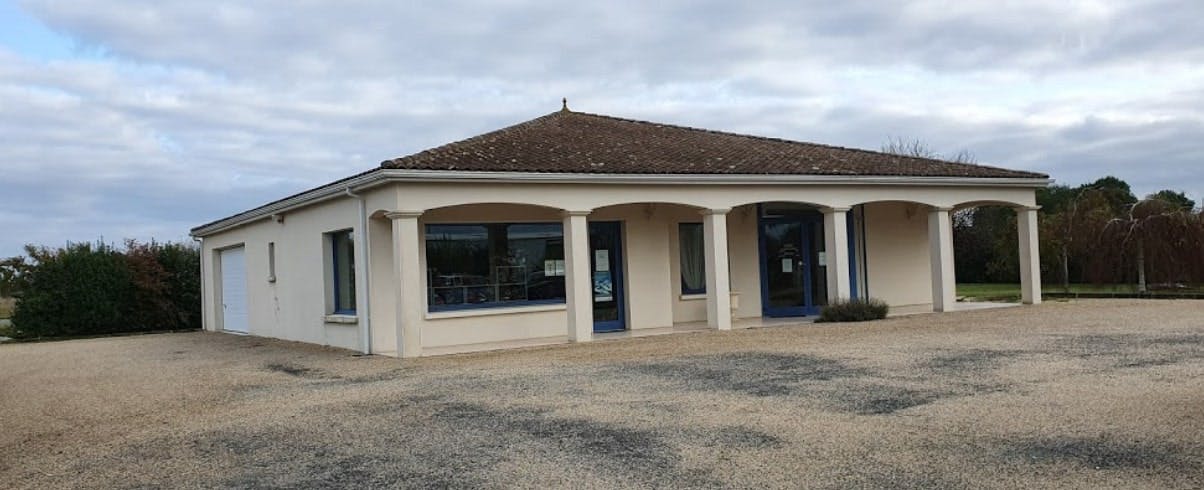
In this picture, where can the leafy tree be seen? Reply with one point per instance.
(1177, 200)
(1056, 198)
(1116, 192)
(12, 275)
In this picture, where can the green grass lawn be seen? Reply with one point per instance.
(978, 290)
(1006, 291)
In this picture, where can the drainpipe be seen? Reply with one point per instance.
(362, 282)
(206, 315)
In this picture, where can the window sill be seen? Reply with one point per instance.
(692, 297)
(504, 310)
(341, 319)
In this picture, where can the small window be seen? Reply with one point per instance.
(693, 267)
(342, 246)
(271, 261)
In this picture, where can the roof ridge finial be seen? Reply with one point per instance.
(564, 104)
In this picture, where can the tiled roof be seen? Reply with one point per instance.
(574, 142)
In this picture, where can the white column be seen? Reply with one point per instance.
(719, 288)
(1030, 256)
(407, 270)
(578, 280)
(940, 245)
(836, 248)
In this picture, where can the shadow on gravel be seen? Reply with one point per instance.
(1131, 350)
(749, 373)
(735, 437)
(298, 371)
(640, 453)
(1100, 454)
(972, 360)
(331, 457)
(880, 399)
(828, 383)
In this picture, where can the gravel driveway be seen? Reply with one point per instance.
(1087, 394)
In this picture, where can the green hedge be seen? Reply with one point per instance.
(854, 310)
(89, 289)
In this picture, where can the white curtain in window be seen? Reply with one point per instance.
(693, 274)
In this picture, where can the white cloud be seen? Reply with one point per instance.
(177, 113)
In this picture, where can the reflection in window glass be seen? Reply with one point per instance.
(496, 264)
(693, 268)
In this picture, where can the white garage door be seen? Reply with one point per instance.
(234, 290)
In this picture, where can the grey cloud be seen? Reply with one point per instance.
(627, 40)
(198, 110)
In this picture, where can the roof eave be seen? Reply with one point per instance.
(386, 175)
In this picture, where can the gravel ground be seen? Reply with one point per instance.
(1087, 394)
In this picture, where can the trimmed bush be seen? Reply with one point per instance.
(90, 289)
(853, 310)
(182, 263)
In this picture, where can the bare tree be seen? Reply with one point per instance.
(916, 148)
(1075, 227)
(1165, 240)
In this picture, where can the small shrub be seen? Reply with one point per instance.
(854, 310)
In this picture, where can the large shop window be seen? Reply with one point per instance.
(693, 267)
(494, 265)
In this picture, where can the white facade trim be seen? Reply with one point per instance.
(378, 177)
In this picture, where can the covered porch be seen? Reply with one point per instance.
(591, 264)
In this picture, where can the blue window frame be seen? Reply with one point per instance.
(494, 265)
(692, 255)
(804, 232)
(342, 246)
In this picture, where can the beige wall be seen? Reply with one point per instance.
(293, 307)
(383, 294)
(647, 281)
(414, 196)
(897, 252)
(744, 256)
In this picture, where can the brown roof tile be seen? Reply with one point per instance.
(575, 142)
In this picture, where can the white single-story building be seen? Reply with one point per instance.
(574, 224)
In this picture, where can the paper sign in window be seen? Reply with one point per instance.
(788, 265)
(602, 260)
(823, 259)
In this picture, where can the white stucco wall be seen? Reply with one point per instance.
(293, 307)
(898, 267)
(571, 196)
(896, 244)
(744, 257)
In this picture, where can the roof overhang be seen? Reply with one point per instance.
(382, 176)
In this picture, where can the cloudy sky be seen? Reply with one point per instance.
(143, 118)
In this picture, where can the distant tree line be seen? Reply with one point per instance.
(96, 288)
(1098, 232)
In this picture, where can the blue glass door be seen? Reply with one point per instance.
(793, 269)
(606, 267)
